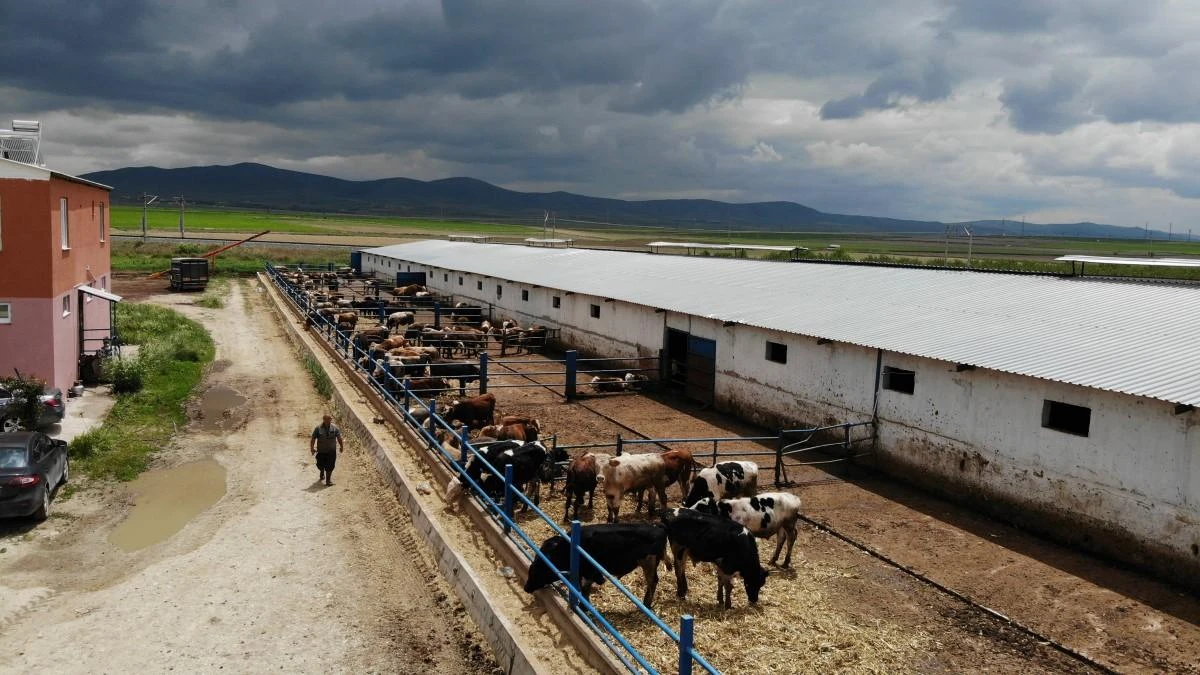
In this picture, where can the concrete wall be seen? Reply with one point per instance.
(1129, 489)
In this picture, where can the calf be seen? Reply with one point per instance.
(475, 412)
(631, 473)
(635, 381)
(604, 383)
(727, 545)
(767, 515)
(348, 317)
(724, 480)
(617, 548)
(582, 478)
(421, 386)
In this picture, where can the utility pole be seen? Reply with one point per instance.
(182, 234)
(1170, 230)
(970, 243)
(147, 200)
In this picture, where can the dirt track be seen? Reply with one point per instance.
(282, 574)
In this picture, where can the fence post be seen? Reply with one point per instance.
(572, 365)
(685, 644)
(715, 442)
(573, 574)
(464, 438)
(508, 497)
(407, 394)
(778, 457)
(437, 314)
(483, 378)
(432, 414)
(620, 445)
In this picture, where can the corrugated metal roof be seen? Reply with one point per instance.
(1132, 337)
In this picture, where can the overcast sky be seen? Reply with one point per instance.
(1054, 110)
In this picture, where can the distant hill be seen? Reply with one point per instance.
(258, 186)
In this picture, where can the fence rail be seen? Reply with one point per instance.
(502, 512)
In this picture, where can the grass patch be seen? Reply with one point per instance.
(214, 296)
(173, 353)
(136, 256)
(320, 379)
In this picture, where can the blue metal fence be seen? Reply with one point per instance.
(405, 402)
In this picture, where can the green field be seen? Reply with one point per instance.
(1028, 253)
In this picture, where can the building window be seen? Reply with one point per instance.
(1067, 418)
(67, 305)
(104, 283)
(525, 295)
(64, 225)
(898, 379)
(460, 281)
(479, 285)
(103, 221)
(776, 352)
(556, 302)
(595, 311)
(445, 278)
(499, 290)
(5, 312)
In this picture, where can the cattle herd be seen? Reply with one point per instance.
(720, 517)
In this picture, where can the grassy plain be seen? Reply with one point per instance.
(1029, 253)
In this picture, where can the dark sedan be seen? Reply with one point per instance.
(53, 408)
(32, 465)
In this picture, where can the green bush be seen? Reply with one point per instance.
(188, 250)
(26, 390)
(92, 442)
(125, 374)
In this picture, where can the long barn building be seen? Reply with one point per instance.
(1064, 404)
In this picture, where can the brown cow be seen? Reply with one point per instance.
(348, 317)
(582, 477)
(426, 385)
(524, 430)
(475, 412)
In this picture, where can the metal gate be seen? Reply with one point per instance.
(692, 365)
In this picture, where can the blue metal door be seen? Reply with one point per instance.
(356, 261)
(701, 369)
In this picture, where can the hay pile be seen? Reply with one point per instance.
(795, 628)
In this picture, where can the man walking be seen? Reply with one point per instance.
(325, 443)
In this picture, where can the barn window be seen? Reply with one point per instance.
(446, 278)
(898, 379)
(556, 302)
(499, 290)
(776, 352)
(5, 312)
(479, 285)
(525, 295)
(595, 311)
(64, 224)
(460, 281)
(1067, 418)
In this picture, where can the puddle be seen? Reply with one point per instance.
(166, 500)
(216, 406)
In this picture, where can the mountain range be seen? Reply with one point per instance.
(259, 186)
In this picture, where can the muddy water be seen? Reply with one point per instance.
(216, 406)
(166, 500)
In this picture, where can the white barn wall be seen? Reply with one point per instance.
(1130, 489)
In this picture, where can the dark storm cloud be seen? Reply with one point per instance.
(929, 83)
(1046, 105)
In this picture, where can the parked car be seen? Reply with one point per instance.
(54, 407)
(32, 466)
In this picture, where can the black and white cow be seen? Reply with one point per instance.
(525, 458)
(766, 515)
(618, 548)
(727, 545)
(463, 371)
(724, 480)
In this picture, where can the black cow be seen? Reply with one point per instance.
(525, 459)
(463, 371)
(708, 538)
(618, 548)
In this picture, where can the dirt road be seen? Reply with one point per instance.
(280, 574)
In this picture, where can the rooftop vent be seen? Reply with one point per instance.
(23, 143)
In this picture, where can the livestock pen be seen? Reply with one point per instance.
(835, 608)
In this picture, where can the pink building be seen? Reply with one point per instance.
(55, 270)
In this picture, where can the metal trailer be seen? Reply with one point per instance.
(189, 274)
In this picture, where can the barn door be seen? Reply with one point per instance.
(701, 369)
(406, 278)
